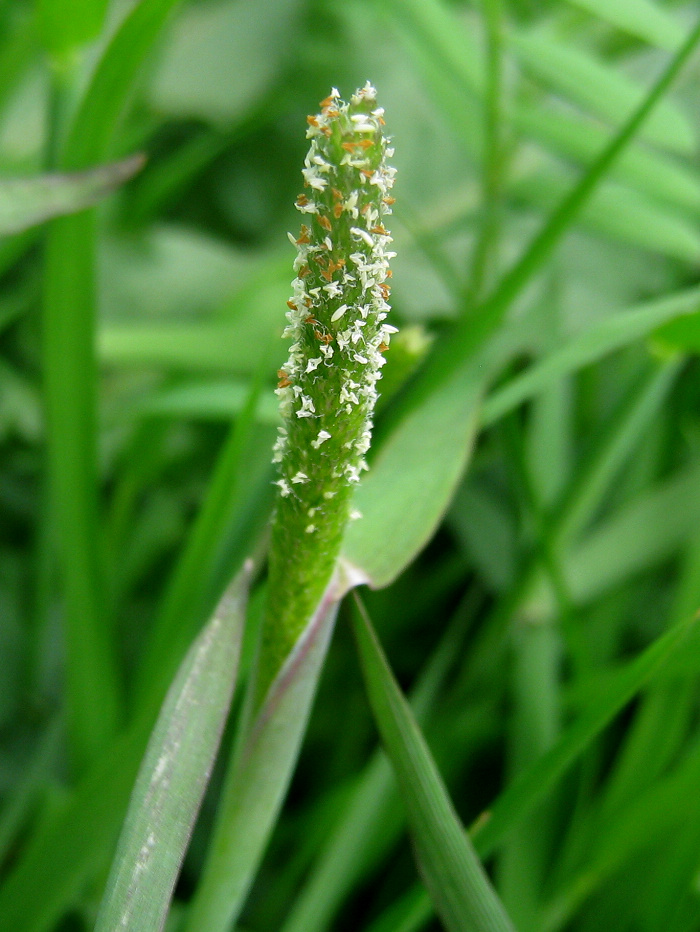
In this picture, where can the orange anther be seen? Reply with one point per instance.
(324, 222)
(337, 210)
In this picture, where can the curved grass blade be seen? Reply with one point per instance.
(175, 772)
(411, 482)
(616, 331)
(25, 202)
(459, 888)
(258, 776)
(517, 800)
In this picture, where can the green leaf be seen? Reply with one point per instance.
(524, 793)
(258, 776)
(602, 89)
(643, 19)
(617, 212)
(411, 482)
(681, 334)
(174, 773)
(25, 202)
(371, 819)
(68, 23)
(459, 888)
(221, 58)
(519, 798)
(213, 400)
(616, 331)
(578, 138)
(109, 90)
(473, 329)
(242, 468)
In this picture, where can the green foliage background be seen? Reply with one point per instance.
(136, 468)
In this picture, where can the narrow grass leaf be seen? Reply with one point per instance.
(111, 86)
(258, 777)
(470, 333)
(643, 19)
(185, 604)
(25, 202)
(618, 213)
(218, 400)
(459, 888)
(175, 772)
(411, 482)
(601, 88)
(612, 333)
(574, 137)
(371, 819)
(521, 796)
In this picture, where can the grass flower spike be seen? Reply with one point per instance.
(338, 331)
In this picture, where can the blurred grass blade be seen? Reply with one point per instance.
(71, 379)
(612, 333)
(259, 772)
(175, 772)
(601, 88)
(411, 482)
(186, 601)
(371, 820)
(521, 796)
(112, 83)
(643, 19)
(459, 888)
(68, 23)
(449, 354)
(25, 202)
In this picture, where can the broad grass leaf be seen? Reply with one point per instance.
(258, 777)
(25, 202)
(643, 19)
(411, 482)
(459, 888)
(174, 773)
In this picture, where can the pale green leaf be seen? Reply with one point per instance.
(643, 19)
(25, 202)
(258, 776)
(411, 481)
(601, 88)
(174, 773)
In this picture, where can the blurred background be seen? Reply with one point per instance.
(571, 543)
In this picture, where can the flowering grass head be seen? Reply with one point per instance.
(337, 325)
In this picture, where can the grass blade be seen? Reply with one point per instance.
(258, 776)
(461, 892)
(25, 202)
(449, 354)
(175, 772)
(613, 333)
(411, 483)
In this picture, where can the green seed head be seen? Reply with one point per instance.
(338, 332)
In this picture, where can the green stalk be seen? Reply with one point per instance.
(327, 391)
